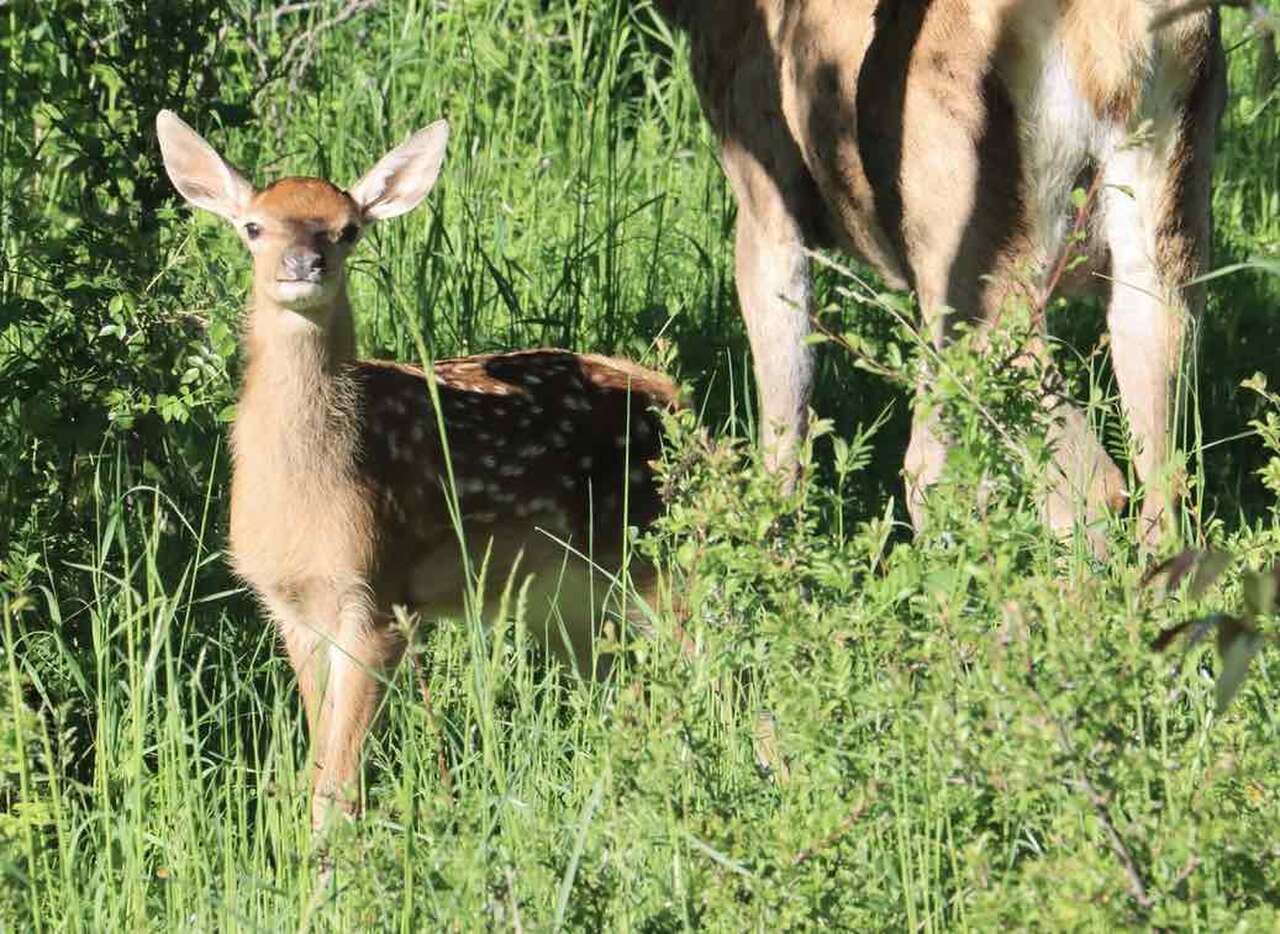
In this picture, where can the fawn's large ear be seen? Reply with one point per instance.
(403, 176)
(201, 176)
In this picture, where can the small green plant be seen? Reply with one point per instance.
(1239, 636)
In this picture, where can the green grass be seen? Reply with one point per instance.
(957, 718)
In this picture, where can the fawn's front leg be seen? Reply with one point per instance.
(362, 656)
(308, 654)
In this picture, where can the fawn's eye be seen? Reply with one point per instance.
(252, 230)
(349, 233)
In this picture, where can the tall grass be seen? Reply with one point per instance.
(956, 725)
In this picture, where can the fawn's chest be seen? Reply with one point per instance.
(299, 509)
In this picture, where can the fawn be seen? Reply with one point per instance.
(340, 483)
(942, 142)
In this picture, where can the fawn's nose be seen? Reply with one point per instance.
(301, 264)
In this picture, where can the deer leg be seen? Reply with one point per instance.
(1148, 315)
(772, 272)
(1086, 482)
(306, 648)
(1156, 215)
(362, 656)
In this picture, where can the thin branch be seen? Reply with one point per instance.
(297, 56)
(925, 346)
(1079, 231)
(871, 365)
(409, 624)
(1137, 886)
(287, 8)
(858, 812)
(516, 925)
(1192, 864)
(442, 766)
(1261, 15)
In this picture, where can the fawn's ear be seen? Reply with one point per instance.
(402, 177)
(201, 176)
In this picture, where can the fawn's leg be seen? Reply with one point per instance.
(362, 655)
(307, 649)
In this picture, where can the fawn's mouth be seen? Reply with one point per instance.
(300, 292)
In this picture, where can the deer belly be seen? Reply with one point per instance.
(547, 577)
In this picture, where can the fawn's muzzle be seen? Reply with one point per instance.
(301, 264)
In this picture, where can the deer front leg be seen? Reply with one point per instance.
(772, 272)
(362, 656)
(308, 655)
(1146, 320)
(1152, 255)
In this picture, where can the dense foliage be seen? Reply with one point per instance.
(964, 728)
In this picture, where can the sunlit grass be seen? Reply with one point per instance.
(152, 749)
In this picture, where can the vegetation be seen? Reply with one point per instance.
(964, 728)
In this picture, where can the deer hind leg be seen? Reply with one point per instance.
(975, 195)
(1156, 222)
(362, 656)
(772, 272)
(1086, 483)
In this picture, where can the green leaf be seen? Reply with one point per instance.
(1259, 594)
(1211, 565)
(1237, 644)
(1266, 264)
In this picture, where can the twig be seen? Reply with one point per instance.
(409, 628)
(303, 46)
(1137, 886)
(840, 339)
(926, 347)
(1078, 227)
(442, 766)
(1192, 864)
(296, 58)
(515, 905)
(1260, 13)
(859, 811)
(286, 9)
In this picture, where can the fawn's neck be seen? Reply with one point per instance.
(296, 402)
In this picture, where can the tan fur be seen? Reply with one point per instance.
(340, 483)
(941, 140)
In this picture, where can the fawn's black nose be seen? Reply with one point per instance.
(301, 264)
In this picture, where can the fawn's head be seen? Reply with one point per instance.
(300, 230)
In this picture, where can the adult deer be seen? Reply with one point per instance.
(940, 140)
(340, 495)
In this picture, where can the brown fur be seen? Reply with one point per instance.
(342, 477)
(924, 136)
(339, 503)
